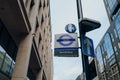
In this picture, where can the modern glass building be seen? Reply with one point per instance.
(108, 50)
(25, 40)
(112, 7)
(108, 56)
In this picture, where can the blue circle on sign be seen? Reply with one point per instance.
(62, 40)
(70, 28)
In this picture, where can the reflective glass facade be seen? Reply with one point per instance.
(99, 60)
(6, 63)
(112, 7)
(106, 57)
(111, 4)
(108, 54)
(108, 46)
(110, 43)
(117, 25)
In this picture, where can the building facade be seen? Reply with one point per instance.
(108, 50)
(112, 8)
(25, 40)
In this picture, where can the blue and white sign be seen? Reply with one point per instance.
(70, 28)
(87, 46)
(66, 45)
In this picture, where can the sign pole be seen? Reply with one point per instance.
(85, 62)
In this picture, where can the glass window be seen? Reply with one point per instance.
(6, 62)
(105, 1)
(119, 45)
(2, 54)
(102, 48)
(108, 45)
(112, 62)
(117, 25)
(115, 33)
(99, 60)
(7, 65)
(115, 48)
(112, 37)
(104, 61)
(12, 67)
(115, 15)
(111, 3)
(1, 58)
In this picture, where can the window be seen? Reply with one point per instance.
(115, 33)
(112, 60)
(111, 3)
(119, 45)
(108, 45)
(115, 15)
(117, 25)
(12, 67)
(112, 37)
(99, 59)
(6, 62)
(115, 48)
(105, 1)
(2, 54)
(104, 61)
(7, 65)
(8, 51)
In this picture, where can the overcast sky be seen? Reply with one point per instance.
(64, 12)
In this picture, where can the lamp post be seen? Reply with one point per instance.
(86, 25)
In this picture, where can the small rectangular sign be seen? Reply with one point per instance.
(66, 45)
(87, 46)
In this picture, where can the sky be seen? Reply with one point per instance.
(64, 12)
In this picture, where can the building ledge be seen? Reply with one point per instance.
(14, 17)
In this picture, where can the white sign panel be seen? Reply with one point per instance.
(66, 45)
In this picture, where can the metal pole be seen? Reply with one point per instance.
(85, 62)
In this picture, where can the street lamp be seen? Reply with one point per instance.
(86, 25)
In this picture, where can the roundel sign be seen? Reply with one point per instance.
(66, 45)
(65, 40)
(70, 28)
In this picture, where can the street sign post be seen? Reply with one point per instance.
(87, 46)
(66, 45)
